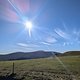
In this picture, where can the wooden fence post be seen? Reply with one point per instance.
(13, 68)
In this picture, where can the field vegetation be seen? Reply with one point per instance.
(53, 68)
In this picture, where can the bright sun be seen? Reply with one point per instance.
(28, 24)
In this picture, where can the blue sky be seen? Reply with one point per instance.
(56, 25)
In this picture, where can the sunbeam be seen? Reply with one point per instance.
(16, 9)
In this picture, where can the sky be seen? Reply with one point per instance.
(55, 25)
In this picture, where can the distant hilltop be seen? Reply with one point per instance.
(36, 54)
(71, 53)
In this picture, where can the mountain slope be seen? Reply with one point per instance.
(26, 55)
(71, 53)
(36, 54)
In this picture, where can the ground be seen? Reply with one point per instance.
(54, 68)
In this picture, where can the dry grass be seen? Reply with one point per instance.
(61, 68)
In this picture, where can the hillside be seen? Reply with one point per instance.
(26, 55)
(36, 54)
(71, 53)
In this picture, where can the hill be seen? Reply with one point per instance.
(36, 54)
(27, 55)
(71, 53)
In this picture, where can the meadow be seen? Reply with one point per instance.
(53, 68)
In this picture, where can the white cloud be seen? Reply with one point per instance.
(27, 45)
(62, 33)
(22, 44)
(76, 35)
(64, 44)
(45, 43)
(67, 43)
(51, 40)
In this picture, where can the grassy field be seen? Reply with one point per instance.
(58, 68)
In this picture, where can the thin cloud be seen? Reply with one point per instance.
(64, 44)
(27, 45)
(45, 43)
(76, 35)
(67, 43)
(22, 44)
(64, 26)
(51, 40)
(62, 33)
